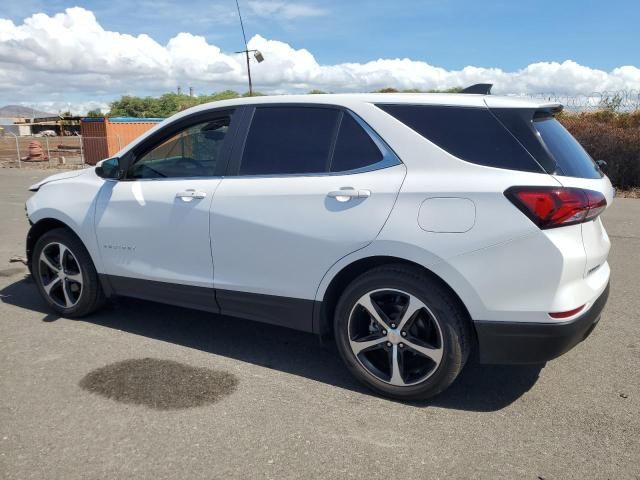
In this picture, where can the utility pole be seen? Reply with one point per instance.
(249, 73)
(246, 49)
(256, 54)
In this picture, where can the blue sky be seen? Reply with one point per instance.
(504, 34)
(69, 54)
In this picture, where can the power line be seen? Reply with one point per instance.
(241, 25)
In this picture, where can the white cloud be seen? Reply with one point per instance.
(71, 57)
(76, 108)
(284, 10)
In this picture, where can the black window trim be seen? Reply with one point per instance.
(389, 157)
(138, 151)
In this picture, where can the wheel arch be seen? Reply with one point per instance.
(41, 227)
(325, 308)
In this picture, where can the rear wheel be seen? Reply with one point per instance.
(65, 274)
(401, 333)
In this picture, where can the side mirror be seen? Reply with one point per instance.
(110, 169)
(602, 165)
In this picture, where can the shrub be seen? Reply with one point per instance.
(612, 137)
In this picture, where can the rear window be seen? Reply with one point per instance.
(471, 134)
(571, 159)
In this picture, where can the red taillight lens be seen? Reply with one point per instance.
(550, 207)
(597, 204)
(567, 314)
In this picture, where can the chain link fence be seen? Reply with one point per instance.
(53, 151)
(617, 100)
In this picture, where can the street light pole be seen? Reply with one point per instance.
(259, 57)
(246, 49)
(256, 54)
(248, 71)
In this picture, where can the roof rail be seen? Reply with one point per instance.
(481, 88)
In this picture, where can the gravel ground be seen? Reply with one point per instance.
(142, 390)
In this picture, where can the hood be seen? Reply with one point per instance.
(59, 176)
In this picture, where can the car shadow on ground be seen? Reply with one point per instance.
(479, 387)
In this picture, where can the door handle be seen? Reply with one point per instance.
(190, 194)
(347, 193)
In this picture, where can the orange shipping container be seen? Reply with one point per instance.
(104, 137)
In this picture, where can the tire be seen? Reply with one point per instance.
(431, 345)
(71, 287)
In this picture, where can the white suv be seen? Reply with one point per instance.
(413, 228)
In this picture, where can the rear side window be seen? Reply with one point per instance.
(354, 147)
(471, 134)
(571, 159)
(286, 140)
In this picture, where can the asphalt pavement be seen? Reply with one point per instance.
(143, 390)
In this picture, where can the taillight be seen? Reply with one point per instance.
(567, 314)
(597, 204)
(551, 207)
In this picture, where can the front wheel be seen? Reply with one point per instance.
(65, 274)
(401, 333)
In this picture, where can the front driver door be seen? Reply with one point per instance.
(153, 226)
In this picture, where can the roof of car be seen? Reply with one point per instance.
(458, 99)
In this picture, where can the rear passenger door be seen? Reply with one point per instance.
(307, 186)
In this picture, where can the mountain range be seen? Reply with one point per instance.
(10, 111)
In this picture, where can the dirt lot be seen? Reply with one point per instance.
(142, 390)
(54, 148)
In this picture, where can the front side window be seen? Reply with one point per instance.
(193, 152)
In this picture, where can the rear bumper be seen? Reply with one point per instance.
(519, 342)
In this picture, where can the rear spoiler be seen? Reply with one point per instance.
(485, 89)
(549, 109)
(479, 88)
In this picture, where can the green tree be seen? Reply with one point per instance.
(165, 105)
(95, 113)
(417, 90)
(223, 95)
(129, 106)
(66, 122)
(169, 103)
(447, 90)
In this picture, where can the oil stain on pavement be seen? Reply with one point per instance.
(159, 384)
